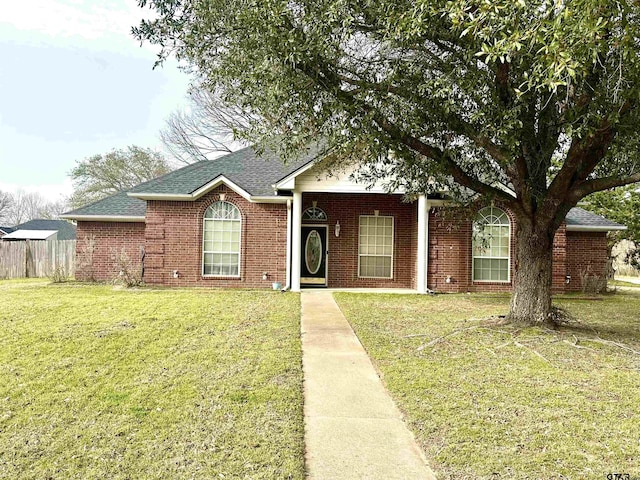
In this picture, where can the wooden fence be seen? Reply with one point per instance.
(24, 259)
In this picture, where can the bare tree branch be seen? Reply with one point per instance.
(209, 128)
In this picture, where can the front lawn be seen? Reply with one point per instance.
(99, 383)
(490, 401)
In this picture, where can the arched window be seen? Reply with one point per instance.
(314, 214)
(221, 240)
(491, 246)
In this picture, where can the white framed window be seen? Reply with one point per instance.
(375, 247)
(491, 246)
(221, 240)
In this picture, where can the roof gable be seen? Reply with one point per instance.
(244, 171)
(249, 173)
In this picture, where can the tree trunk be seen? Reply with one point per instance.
(531, 298)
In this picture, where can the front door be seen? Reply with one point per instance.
(313, 261)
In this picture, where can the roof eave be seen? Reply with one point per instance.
(595, 228)
(193, 196)
(220, 180)
(103, 218)
(268, 199)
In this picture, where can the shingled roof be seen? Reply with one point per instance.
(254, 173)
(581, 219)
(117, 205)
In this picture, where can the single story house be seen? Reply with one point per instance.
(42, 229)
(244, 220)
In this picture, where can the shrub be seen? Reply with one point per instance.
(127, 273)
(592, 283)
(59, 274)
(85, 264)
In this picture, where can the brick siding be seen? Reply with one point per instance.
(450, 254)
(343, 250)
(586, 253)
(173, 241)
(99, 243)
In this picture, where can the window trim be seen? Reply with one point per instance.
(319, 216)
(204, 223)
(507, 258)
(393, 250)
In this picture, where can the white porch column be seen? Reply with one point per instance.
(423, 243)
(297, 241)
(289, 229)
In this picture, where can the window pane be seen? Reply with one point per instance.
(375, 246)
(504, 274)
(221, 240)
(491, 245)
(365, 267)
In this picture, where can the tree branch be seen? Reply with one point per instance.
(604, 183)
(457, 122)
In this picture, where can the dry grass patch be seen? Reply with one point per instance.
(487, 400)
(104, 383)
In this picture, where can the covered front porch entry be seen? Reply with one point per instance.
(357, 240)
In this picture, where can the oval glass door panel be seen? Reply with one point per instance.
(313, 252)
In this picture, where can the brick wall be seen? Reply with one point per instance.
(586, 252)
(449, 251)
(173, 240)
(559, 273)
(343, 250)
(450, 254)
(109, 239)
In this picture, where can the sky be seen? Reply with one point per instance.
(75, 83)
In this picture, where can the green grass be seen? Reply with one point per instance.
(488, 401)
(100, 383)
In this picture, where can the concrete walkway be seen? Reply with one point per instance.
(353, 430)
(635, 280)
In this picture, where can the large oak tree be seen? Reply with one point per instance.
(533, 104)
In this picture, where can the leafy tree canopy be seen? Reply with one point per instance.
(99, 176)
(623, 206)
(482, 93)
(485, 95)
